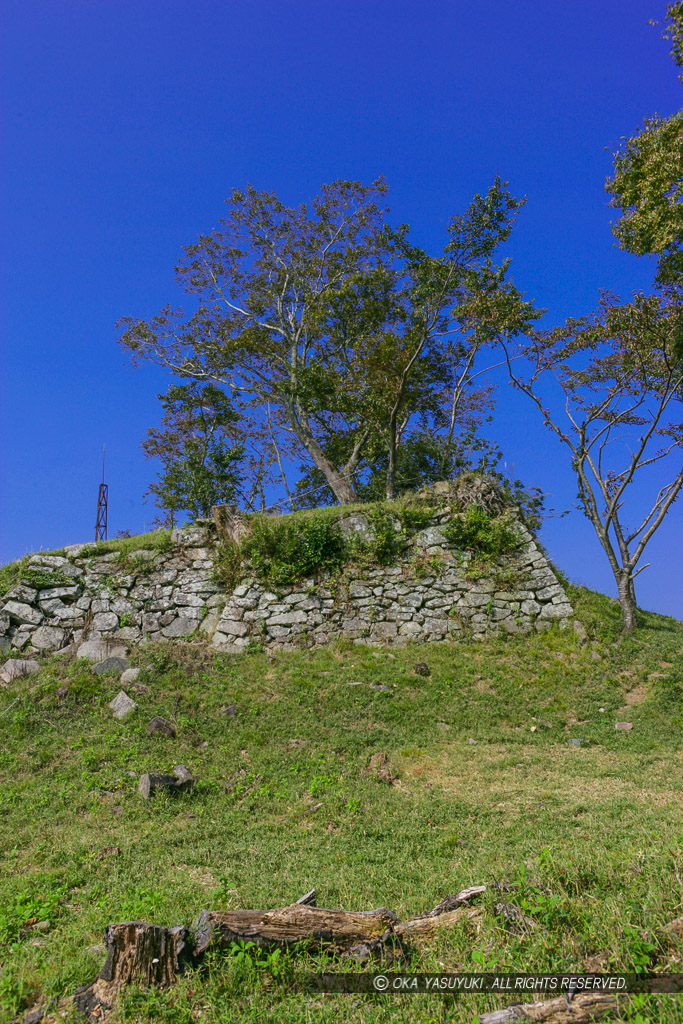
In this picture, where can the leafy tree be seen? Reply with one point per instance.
(647, 185)
(620, 386)
(200, 457)
(265, 279)
(327, 324)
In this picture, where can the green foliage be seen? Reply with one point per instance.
(281, 551)
(38, 579)
(476, 529)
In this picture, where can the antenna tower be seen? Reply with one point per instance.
(102, 501)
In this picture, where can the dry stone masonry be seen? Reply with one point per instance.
(162, 595)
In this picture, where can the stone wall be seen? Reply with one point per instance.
(150, 595)
(161, 595)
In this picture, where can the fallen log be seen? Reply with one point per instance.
(339, 930)
(146, 954)
(423, 927)
(584, 1008)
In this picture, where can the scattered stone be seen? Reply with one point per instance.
(422, 669)
(138, 688)
(152, 782)
(674, 928)
(471, 741)
(17, 667)
(204, 745)
(379, 767)
(109, 851)
(355, 683)
(114, 665)
(160, 726)
(580, 631)
(37, 1015)
(444, 726)
(130, 676)
(624, 726)
(98, 650)
(595, 656)
(122, 705)
(602, 709)
(577, 741)
(379, 688)
(185, 778)
(230, 711)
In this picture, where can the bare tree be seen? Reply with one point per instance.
(621, 388)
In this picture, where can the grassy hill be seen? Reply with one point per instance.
(591, 833)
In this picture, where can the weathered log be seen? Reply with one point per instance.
(137, 953)
(422, 927)
(584, 1008)
(458, 900)
(284, 928)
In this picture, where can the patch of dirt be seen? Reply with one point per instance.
(636, 696)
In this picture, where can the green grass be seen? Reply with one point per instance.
(594, 834)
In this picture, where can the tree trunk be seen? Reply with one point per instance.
(627, 600)
(286, 927)
(137, 953)
(584, 1008)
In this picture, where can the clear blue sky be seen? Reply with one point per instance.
(127, 122)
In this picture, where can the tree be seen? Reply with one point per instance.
(326, 324)
(621, 386)
(200, 456)
(265, 279)
(420, 323)
(647, 185)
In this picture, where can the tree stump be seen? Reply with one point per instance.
(137, 953)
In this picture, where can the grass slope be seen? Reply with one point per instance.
(592, 834)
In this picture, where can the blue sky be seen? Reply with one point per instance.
(127, 123)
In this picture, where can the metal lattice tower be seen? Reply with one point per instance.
(102, 501)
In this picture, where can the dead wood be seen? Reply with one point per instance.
(584, 1008)
(287, 927)
(423, 927)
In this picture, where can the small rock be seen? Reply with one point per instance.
(139, 688)
(355, 683)
(471, 741)
(114, 665)
(577, 741)
(204, 745)
(230, 711)
(17, 667)
(379, 688)
(109, 851)
(444, 726)
(161, 726)
(130, 676)
(545, 723)
(422, 669)
(150, 782)
(580, 631)
(602, 709)
(624, 726)
(122, 705)
(379, 766)
(132, 775)
(595, 656)
(37, 1015)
